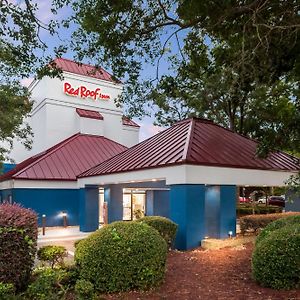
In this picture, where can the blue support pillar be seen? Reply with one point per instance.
(220, 211)
(113, 195)
(89, 209)
(187, 206)
(228, 194)
(161, 201)
(149, 203)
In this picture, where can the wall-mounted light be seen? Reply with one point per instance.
(230, 233)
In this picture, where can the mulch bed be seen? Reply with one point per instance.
(209, 274)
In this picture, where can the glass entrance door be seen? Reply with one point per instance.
(133, 204)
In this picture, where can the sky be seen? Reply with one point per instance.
(45, 15)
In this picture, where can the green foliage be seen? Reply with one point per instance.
(84, 289)
(48, 284)
(235, 62)
(166, 228)
(248, 209)
(18, 237)
(287, 221)
(22, 55)
(276, 258)
(53, 255)
(7, 291)
(122, 256)
(257, 222)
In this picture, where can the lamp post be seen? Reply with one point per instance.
(64, 215)
(44, 224)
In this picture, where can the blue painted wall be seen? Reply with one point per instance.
(89, 209)
(161, 203)
(5, 194)
(113, 195)
(212, 211)
(50, 202)
(220, 211)
(228, 194)
(158, 203)
(187, 203)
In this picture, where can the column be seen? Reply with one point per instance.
(187, 204)
(89, 208)
(228, 194)
(113, 195)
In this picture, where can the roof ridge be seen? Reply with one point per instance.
(187, 145)
(49, 151)
(129, 149)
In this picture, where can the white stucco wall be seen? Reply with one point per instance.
(54, 118)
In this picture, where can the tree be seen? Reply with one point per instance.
(22, 54)
(237, 62)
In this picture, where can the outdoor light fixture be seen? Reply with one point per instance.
(230, 234)
(44, 224)
(64, 215)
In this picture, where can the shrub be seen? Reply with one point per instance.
(166, 228)
(84, 289)
(256, 222)
(276, 259)
(122, 256)
(48, 284)
(18, 236)
(53, 255)
(7, 291)
(280, 223)
(247, 209)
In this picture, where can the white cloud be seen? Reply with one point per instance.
(147, 128)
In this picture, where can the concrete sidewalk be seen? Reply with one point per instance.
(61, 236)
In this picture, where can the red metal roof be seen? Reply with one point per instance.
(126, 121)
(67, 159)
(91, 114)
(83, 69)
(197, 142)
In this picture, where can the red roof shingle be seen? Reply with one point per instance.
(83, 69)
(90, 114)
(196, 142)
(67, 159)
(126, 121)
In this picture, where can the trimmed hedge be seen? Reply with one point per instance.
(18, 238)
(246, 209)
(256, 222)
(166, 228)
(276, 259)
(122, 256)
(280, 223)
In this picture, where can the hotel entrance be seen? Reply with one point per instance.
(133, 204)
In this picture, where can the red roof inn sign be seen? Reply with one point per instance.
(84, 92)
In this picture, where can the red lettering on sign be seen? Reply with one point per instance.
(84, 92)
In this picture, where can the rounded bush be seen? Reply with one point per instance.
(280, 223)
(122, 256)
(166, 228)
(276, 259)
